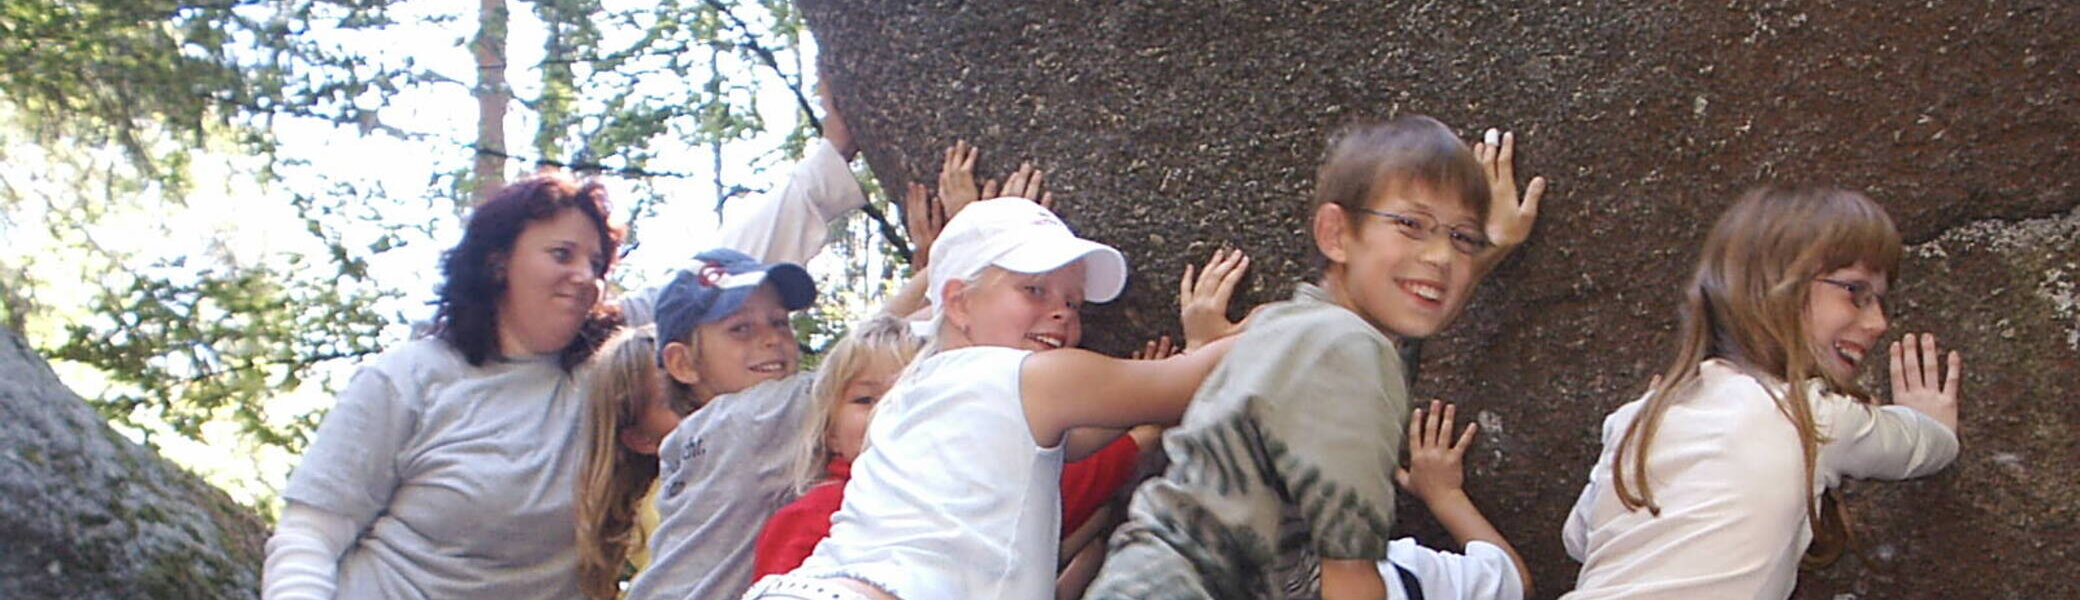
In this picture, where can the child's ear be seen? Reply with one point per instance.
(956, 311)
(678, 363)
(1330, 225)
(640, 443)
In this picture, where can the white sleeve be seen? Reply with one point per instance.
(1484, 572)
(1575, 534)
(638, 307)
(303, 554)
(1880, 442)
(793, 225)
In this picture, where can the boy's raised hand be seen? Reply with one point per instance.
(1509, 221)
(1435, 461)
(1917, 383)
(1202, 298)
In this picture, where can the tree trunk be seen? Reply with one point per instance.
(85, 513)
(1171, 129)
(492, 97)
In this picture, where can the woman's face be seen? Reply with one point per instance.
(553, 276)
(848, 429)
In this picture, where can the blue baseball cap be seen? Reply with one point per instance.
(717, 286)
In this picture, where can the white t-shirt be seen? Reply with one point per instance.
(457, 479)
(1727, 472)
(721, 473)
(1484, 572)
(951, 500)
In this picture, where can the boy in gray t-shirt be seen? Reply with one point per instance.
(721, 473)
(728, 348)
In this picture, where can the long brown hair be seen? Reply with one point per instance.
(620, 383)
(1746, 305)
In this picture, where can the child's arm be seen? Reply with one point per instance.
(1509, 223)
(1916, 437)
(1352, 579)
(1083, 442)
(1070, 388)
(792, 225)
(1436, 475)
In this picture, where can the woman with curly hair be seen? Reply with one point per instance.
(448, 466)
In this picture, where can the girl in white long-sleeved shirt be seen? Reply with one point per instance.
(1712, 485)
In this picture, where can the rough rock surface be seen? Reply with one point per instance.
(85, 513)
(1172, 128)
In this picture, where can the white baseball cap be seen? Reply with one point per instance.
(1017, 235)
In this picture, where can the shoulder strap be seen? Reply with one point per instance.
(1409, 583)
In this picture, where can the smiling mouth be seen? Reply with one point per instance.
(1049, 340)
(1427, 292)
(1850, 352)
(769, 367)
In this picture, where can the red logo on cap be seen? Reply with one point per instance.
(711, 274)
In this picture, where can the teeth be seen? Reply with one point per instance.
(771, 367)
(1425, 291)
(1049, 340)
(1854, 356)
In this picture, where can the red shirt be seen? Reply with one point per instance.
(792, 533)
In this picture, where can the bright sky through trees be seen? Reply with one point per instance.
(382, 181)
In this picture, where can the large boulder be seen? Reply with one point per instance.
(1173, 128)
(85, 513)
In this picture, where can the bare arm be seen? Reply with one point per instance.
(1067, 389)
(1436, 475)
(1083, 552)
(1082, 442)
(1352, 579)
(909, 299)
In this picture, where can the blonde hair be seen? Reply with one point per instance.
(1746, 305)
(619, 386)
(934, 342)
(882, 337)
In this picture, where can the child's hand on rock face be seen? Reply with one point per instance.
(1435, 461)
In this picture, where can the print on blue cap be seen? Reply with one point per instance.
(717, 287)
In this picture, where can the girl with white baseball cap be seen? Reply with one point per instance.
(957, 493)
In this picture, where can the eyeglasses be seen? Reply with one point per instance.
(1860, 293)
(1466, 240)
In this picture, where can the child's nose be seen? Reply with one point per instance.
(1873, 318)
(1438, 248)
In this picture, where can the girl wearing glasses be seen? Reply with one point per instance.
(1719, 483)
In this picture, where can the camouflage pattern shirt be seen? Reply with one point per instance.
(1286, 456)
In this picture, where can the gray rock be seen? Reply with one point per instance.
(85, 513)
(1173, 128)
